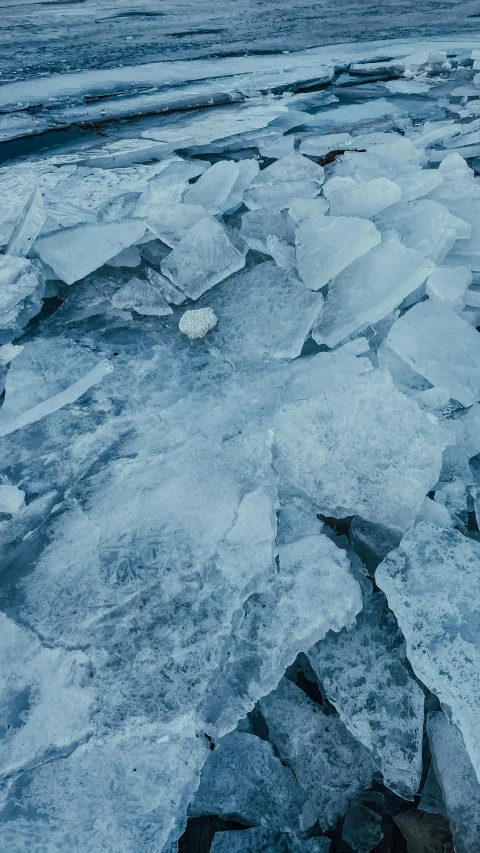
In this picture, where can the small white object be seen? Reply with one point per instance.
(196, 323)
(11, 499)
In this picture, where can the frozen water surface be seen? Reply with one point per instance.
(239, 375)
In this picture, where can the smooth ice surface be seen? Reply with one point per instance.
(214, 187)
(363, 673)
(431, 583)
(371, 287)
(326, 245)
(365, 450)
(244, 780)
(329, 764)
(75, 252)
(203, 257)
(418, 184)
(423, 225)
(441, 346)
(349, 198)
(196, 323)
(262, 840)
(459, 784)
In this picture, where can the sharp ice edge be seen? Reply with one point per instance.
(163, 536)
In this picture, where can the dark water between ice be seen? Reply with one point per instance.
(44, 36)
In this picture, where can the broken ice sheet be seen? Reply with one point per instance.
(329, 764)
(263, 313)
(75, 252)
(363, 673)
(263, 840)
(244, 780)
(370, 288)
(11, 499)
(327, 244)
(365, 450)
(423, 225)
(441, 346)
(221, 187)
(432, 585)
(203, 257)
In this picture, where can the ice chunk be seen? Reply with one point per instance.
(328, 244)
(127, 258)
(196, 324)
(432, 585)
(259, 225)
(362, 828)
(301, 208)
(459, 784)
(441, 346)
(162, 285)
(248, 169)
(434, 513)
(367, 450)
(276, 146)
(243, 780)
(449, 285)
(423, 225)
(318, 146)
(293, 167)
(214, 187)
(418, 184)
(263, 840)
(75, 252)
(392, 68)
(313, 592)
(283, 254)
(362, 671)
(21, 290)
(142, 297)
(170, 222)
(279, 195)
(370, 288)
(263, 313)
(11, 499)
(329, 764)
(349, 198)
(202, 258)
(28, 227)
(8, 352)
(467, 430)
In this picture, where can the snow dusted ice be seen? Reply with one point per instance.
(239, 422)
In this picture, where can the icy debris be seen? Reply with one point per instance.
(349, 198)
(22, 287)
(202, 258)
(258, 225)
(243, 780)
(293, 167)
(28, 227)
(362, 671)
(432, 585)
(279, 195)
(75, 252)
(195, 324)
(313, 592)
(170, 222)
(326, 245)
(366, 450)
(370, 288)
(263, 840)
(458, 782)
(319, 145)
(129, 257)
(11, 499)
(329, 764)
(449, 285)
(142, 297)
(441, 346)
(263, 313)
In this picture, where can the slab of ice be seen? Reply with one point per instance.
(170, 222)
(202, 258)
(449, 285)
(22, 287)
(349, 198)
(293, 167)
(319, 145)
(326, 245)
(162, 285)
(367, 450)
(75, 252)
(142, 297)
(279, 195)
(458, 782)
(214, 187)
(263, 313)
(196, 324)
(166, 188)
(362, 671)
(277, 146)
(370, 288)
(441, 346)
(11, 499)
(329, 764)
(258, 225)
(244, 780)
(28, 227)
(432, 585)
(263, 840)
(467, 430)
(302, 208)
(129, 257)
(423, 225)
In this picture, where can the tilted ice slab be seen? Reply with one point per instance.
(432, 585)
(366, 450)
(328, 244)
(442, 346)
(458, 782)
(362, 672)
(329, 764)
(369, 288)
